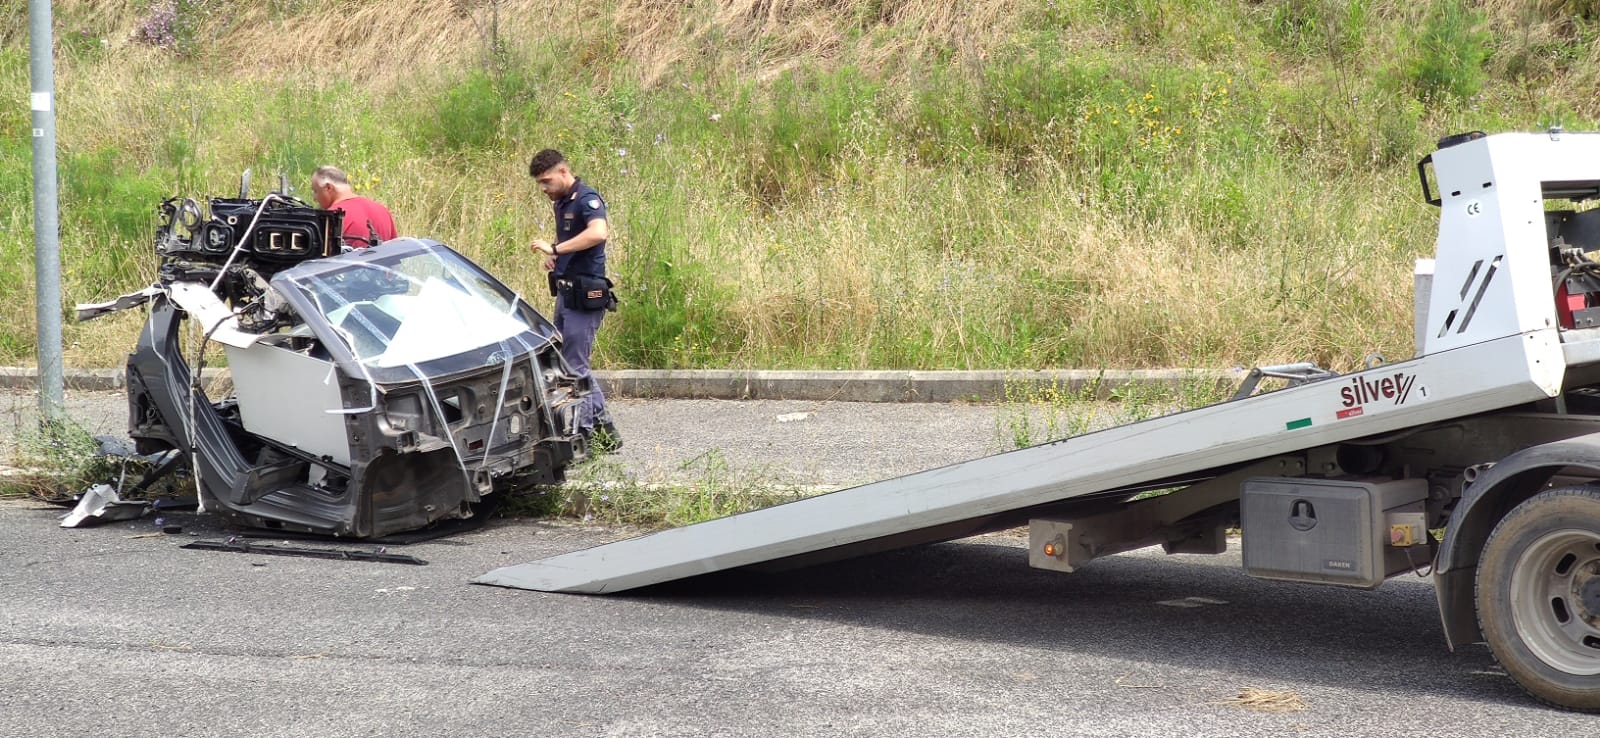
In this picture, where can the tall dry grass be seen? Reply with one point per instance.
(832, 183)
(1548, 47)
(388, 45)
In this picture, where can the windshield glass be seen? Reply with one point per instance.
(418, 306)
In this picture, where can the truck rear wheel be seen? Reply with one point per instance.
(1539, 596)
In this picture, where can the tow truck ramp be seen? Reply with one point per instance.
(1004, 490)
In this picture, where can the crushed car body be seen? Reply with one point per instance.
(374, 391)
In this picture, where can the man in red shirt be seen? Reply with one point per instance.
(366, 221)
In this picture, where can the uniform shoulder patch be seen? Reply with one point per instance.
(594, 202)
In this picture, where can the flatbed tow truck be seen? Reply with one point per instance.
(1491, 433)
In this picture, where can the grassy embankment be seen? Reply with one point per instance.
(922, 183)
(828, 184)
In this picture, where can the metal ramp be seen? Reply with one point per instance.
(982, 494)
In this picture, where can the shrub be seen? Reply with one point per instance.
(814, 119)
(940, 121)
(1452, 46)
(465, 116)
(673, 311)
(1311, 29)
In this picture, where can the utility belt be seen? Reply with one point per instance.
(583, 292)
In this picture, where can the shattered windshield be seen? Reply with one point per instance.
(398, 308)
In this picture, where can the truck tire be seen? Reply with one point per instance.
(1538, 593)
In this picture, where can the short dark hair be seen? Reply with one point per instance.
(544, 161)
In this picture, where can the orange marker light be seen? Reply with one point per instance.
(1050, 549)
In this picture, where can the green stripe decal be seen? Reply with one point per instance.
(1294, 424)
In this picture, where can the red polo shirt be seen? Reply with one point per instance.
(359, 214)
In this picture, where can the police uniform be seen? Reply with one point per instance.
(578, 327)
(573, 214)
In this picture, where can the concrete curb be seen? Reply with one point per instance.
(891, 386)
(847, 386)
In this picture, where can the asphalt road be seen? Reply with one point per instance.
(116, 631)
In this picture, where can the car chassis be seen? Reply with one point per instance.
(375, 390)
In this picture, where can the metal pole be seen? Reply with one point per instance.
(46, 248)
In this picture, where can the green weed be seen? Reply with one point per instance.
(57, 460)
(1314, 29)
(465, 116)
(674, 307)
(705, 488)
(1452, 46)
(1031, 414)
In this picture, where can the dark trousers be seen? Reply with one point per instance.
(578, 328)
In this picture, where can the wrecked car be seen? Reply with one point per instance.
(374, 391)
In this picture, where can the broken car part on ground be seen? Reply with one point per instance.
(374, 391)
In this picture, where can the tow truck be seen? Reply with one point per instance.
(1479, 457)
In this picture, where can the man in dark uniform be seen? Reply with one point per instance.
(577, 264)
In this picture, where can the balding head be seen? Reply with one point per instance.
(330, 174)
(329, 184)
